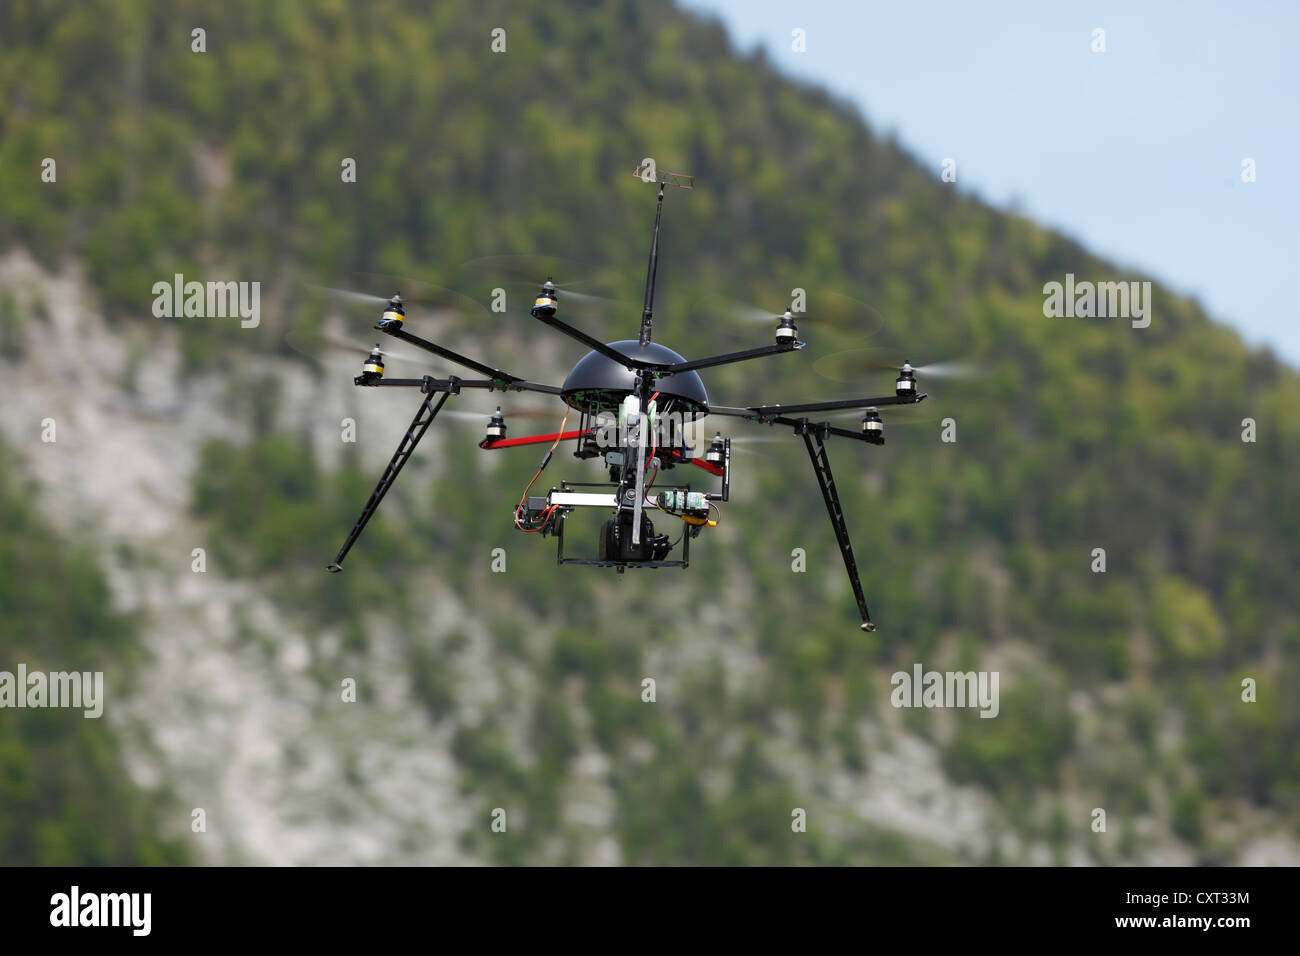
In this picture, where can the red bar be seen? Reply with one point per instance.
(531, 439)
(701, 463)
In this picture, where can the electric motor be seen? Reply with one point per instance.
(905, 384)
(714, 454)
(547, 302)
(372, 369)
(394, 314)
(787, 331)
(873, 427)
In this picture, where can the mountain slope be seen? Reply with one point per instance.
(523, 690)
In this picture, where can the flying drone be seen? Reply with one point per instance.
(633, 398)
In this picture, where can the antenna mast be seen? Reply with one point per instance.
(646, 172)
(648, 310)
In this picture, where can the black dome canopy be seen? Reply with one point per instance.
(598, 383)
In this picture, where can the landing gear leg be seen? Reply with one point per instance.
(812, 439)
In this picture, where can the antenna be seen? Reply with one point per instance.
(647, 172)
(648, 311)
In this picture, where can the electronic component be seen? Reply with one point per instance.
(682, 501)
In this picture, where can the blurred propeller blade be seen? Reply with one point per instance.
(701, 439)
(958, 368)
(360, 299)
(427, 297)
(841, 313)
(852, 365)
(600, 301)
(531, 270)
(315, 344)
(731, 310)
(830, 313)
(919, 414)
(350, 295)
(579, 284)
(707, 437)
(481, 418)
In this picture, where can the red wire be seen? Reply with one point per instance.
(655, 447)
(524, 497)
(549, 511)
(545, 514)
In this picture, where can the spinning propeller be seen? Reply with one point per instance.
(526, 274)
(316, 344)
(852, 365)
(441, 304)
(822, 312)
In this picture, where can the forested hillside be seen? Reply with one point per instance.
(1120, 690)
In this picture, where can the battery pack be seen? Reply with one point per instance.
(683, 502)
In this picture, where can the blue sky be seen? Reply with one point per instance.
(1137, 152)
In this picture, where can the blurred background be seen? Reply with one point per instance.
(522, 690)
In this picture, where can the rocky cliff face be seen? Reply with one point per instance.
(224, 708)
